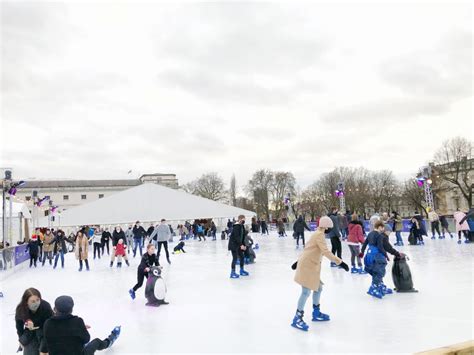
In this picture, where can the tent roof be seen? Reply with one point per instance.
(147, 203)
(17, 207)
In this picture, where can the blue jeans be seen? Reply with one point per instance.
(137, 242)
(398, 234)
(305, 292)
(59, 253)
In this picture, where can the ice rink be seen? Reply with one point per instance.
(210, 313)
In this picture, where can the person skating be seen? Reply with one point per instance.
(389, 249)
(163, 234)
(116, 236)
(139, 235)
(237, 247)
(105, 241)
(308, 273)
(443, 220)
(59, 248)
(65, 333)
(129, 238)
(462, 227)
(397, 227)
(33, 249)
(120, 252)
(416, 231)
(82, 250)
(48, 247)
(354, 240)
(376, 259)
(298, 228)
(30, 317)
(96, 242)
(264, 227)
(335, 235)
(434, 220)
(149, 259)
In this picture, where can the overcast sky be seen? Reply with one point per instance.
(93, 91)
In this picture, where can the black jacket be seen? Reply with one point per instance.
(59, 243)
(150, 230)
(148, 261)
(33, 247)
(388, 247)
(117, 236)
(65, 335)
(105, 237)
(300, 225)
(38, 318)
(237, 237)
(139, 232)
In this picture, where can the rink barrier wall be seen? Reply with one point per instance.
(12, 259)
(464, 348)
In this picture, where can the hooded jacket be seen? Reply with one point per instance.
(65, 334)
(300, 225)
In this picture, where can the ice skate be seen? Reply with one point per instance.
(243, 272)
(385, 290)
(459, 241)
(119, 265)
(362, 271)
(354, 270)
(114, 335)
(318, 316)
(333, 264)
(234, 275)
(375, 291)
(298, 321)
(132, 293)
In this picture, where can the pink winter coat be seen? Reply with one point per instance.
(356, 235)
(457, 217)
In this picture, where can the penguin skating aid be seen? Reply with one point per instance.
(155, 289)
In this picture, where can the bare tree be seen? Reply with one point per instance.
(258, 190)
(382, 187)
(282, 184)
(209, 186)
(233, 191)
(454, 165)
(414, 195)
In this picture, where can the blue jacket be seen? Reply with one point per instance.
(336, 229)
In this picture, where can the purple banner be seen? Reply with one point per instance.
(21, 254)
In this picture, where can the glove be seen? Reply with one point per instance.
(295, 264)
(344, 266)
(361, 255)
(401, 256)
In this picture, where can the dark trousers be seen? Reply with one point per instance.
(33, 259)
(49, 255)
(378, 269)
(336, 246)
(97, 249)
(165, 244)
(237, 254)
(96, 344)
(298, 235)
(137, 243)
(86, 262)
(435, 228)
(140, 277)
(103, 245)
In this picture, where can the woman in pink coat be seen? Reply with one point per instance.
(461, 228)
(308, 273)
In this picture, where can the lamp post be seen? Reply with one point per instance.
(340, 194)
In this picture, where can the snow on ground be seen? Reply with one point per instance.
(210, 313)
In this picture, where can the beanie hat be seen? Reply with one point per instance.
(64, 304)
(34, 237)
(325, 222)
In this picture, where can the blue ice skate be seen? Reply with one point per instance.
(433, 237)
(298, 321)
(1, 294)
(132, 293)
(354, 270)
(114, 335)
(459, 241)
(243, 272)
(256, 247)
(318, 316)
(362, 271)
(333, 264)
(467, 241)
(375, 291)
(234, 275)
(385, 290)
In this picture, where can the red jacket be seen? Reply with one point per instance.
(120, 249)
(356, 235)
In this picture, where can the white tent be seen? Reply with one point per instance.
(19, 225)
(147, 203)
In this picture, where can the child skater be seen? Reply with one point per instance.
(121, 251)
(148, 260)
(308, 273)
(179, 248)
(33, 249)
(376, 259)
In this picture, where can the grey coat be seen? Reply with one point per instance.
(162, 232)
(336, 229)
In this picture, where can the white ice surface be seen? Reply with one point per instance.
(210, 313)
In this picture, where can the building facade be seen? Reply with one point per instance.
(66, 194)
